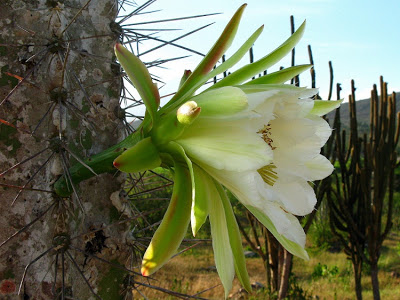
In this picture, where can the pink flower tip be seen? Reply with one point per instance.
(145, 272)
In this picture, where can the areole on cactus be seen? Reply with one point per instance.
(260, 139)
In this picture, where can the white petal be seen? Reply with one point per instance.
(263, 101)
(285, 223)
(317, 168)
(264, 108)
(277, 216)
(291, 160)
(288, 133)
(246, 187)
(292, 108)
(308, 93)
(297, 234)
(286, 98)
(296, 197)
(259, 110)
(242, 184)
(228, 148)
(289, 90)
(323, 130)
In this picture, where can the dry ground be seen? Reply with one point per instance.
(193, 272)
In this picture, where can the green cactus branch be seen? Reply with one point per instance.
(97, 164)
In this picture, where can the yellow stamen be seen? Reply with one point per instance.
(268, 174)
(266, 135)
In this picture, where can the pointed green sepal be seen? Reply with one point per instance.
(200, 193)
(141, 79)
(141, 157)
(289, 245)
(258, 88)
(322, 107)
(281, 76)
(222, 44)
(223, 255)
(203, 192)
(235, 241)
(185, 76)
(179, 154)
(264, 63)
(211, 58)
(236, 57)
(173, 227)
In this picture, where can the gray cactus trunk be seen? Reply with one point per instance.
(64, 108)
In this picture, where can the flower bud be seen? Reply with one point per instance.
(188, 112)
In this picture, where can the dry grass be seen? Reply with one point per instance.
(341, 286)
(193, 272)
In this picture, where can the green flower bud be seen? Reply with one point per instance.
(173, 124)
(188, 112)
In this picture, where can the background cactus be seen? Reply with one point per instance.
(361, 198)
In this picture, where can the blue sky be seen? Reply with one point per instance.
(361, 38)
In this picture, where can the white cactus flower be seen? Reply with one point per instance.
(260, 139)
(292, 137)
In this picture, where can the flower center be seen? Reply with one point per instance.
(266, 135)
(268, 174)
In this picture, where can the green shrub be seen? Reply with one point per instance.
(323, 271)
(322, 238)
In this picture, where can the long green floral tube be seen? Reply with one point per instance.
(260, 139)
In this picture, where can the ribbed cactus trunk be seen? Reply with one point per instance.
(60, 98)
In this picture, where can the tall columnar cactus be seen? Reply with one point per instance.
(361, 198)
(60, 89)
(58, 97)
